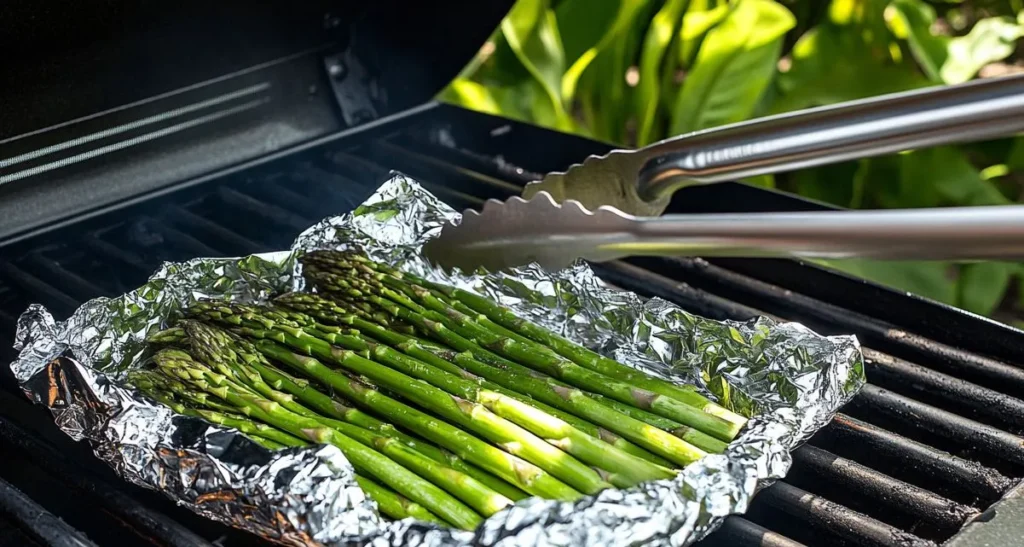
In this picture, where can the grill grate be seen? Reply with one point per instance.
(926, 447)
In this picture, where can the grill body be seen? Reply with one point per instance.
(930, 445)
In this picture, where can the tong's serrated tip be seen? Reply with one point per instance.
(601, 180)
(519, 232)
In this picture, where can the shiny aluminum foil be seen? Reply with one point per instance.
(787, 378)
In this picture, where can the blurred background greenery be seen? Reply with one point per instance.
(633, 72)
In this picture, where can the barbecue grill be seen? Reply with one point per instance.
(131, 135)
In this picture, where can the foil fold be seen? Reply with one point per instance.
(789, 379)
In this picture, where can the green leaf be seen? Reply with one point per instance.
(829, 183)
(602, 93)
(834, 64)
(656, 43)
(699, 19)
(877, 183)
(490, 100)
(763, 181)
(943, 176)
(912, 21)
(991, 40)
(624, 15)
(696, 25)
(735, 64)
(532, 33)
(1015, 158)
(582, 23)
(982, 286)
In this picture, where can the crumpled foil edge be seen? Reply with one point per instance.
(789, 379)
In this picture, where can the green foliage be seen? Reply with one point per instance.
(634, 72)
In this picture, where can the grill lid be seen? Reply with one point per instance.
(74, 59)
(103, 101)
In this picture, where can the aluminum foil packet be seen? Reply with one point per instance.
(789, 380)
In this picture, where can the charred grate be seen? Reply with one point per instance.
(924, 449)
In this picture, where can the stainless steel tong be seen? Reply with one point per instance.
(605, 198)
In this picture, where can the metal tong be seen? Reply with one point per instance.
(604, 199)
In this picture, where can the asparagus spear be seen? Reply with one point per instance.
(522, 474)
(329, 309)
(500, 380)
(331, 407)
(147, 384)
(523, 379)
(493, 314)
(173, 335)
(215, 347)
(363, 458)
(547, 361)
(394, 505)
(460, 411)
(503, 321)
(267, 443)
(624, 469)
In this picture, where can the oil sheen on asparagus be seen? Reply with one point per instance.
(449, 406)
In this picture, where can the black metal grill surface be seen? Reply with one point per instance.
(929, 444)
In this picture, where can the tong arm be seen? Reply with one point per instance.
(979, 110)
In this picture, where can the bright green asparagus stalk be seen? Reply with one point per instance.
(520, 473)
(442, 358)
(623, 469)
(515, 376)
(333, 408)
(547, 361)
(494, 314)
(697, 438)
(215, 348)
(394, 505)
(364, 459)
(682, 450)
(471, 491)
(458, 410)
(173, 335)
(148, 384)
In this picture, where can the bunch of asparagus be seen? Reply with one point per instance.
(449, 407)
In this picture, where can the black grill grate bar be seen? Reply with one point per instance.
(830, 517)
(887, 495)
(185, 240)
(932, 466)
(959, 478)
(37, 521)
(181, 217)
(263, 211)
(6, 317)
(943, 323)
(124, 258)
(353, 164)
(739, 531)
(305, 205)
(424, 167)
(645, 282)
(57, 276)
(985, 405)
(830, 319)
(152, 525)
(1000, 451)
(909, 414)
(59, 300)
